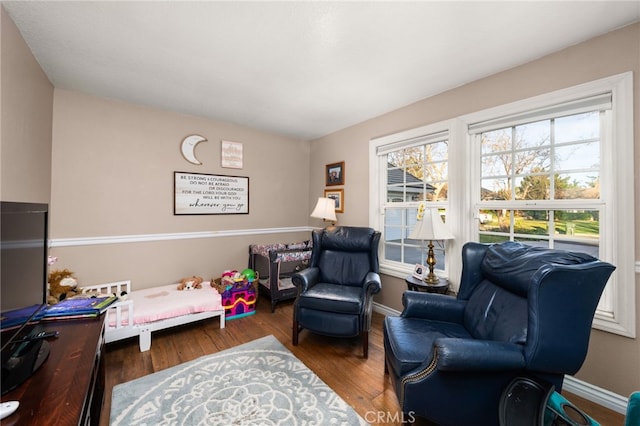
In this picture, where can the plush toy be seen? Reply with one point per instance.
(190, 283)
(62, 284)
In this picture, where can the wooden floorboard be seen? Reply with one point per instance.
(338, 362)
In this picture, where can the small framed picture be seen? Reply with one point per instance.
(334, 174)
(231, 154)
(338, 196)
(418, 271)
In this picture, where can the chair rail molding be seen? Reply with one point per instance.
(125, 239)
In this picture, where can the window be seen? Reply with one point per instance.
(414, 169)
(540, 182)
(555, 170)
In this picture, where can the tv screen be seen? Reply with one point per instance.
(23, 289)
(23, 263)
(23, 237)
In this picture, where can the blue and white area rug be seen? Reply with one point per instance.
(257, 383)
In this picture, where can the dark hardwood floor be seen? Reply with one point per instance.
(338, 362)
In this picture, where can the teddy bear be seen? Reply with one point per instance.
(190, 283)
(62, 284)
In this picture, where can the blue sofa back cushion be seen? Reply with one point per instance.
(511, 265)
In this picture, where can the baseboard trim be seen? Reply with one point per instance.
(595, 394)
(385, 310)
(126, 239)
(577, 387)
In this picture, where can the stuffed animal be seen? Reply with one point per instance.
(62, 284)
(190, 283)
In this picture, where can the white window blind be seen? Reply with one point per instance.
(598, 102)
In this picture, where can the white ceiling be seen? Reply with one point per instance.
(303, 69)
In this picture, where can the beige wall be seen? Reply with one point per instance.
(612, 362)
(112, 175)
(26, 108)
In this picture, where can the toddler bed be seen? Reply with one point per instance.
(156, 308)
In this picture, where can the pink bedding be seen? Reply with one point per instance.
(158, 303)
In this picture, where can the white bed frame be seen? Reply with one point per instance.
(118, 331)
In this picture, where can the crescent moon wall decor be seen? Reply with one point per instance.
(188, 148)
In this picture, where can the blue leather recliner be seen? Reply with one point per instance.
(520, 311)
(335, 292)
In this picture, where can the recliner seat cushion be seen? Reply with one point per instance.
(332, 298)
(409, 341)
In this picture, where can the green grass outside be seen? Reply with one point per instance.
(583, 228)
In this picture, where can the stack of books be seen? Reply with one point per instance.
(79, 308)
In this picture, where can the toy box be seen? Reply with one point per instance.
(238, 299)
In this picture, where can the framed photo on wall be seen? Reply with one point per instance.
(338, 196)
(334, 174)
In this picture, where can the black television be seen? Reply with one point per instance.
(23, 288)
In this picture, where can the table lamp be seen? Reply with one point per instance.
(430, 227)
(325, 209)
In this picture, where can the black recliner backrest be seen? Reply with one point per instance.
(345, 254)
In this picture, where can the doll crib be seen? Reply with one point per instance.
(275, 264)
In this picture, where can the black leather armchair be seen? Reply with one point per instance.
(335, 292)
(520, 311)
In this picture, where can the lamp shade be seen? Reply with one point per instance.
(325, 209)
(431, 227)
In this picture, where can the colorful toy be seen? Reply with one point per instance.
(249, 274)
(239, 292)
(239, 299)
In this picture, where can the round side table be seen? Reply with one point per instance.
(416, 284)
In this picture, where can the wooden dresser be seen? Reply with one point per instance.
(68, 389)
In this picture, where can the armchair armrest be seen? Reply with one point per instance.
(373, 283)
(432, 306)
(478, 355)
(305, 279)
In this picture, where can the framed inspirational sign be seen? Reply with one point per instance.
(197, 193)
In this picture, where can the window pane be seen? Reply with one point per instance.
(572, 186)
(567, 146)
(533, 187)
(495, 189)
(496, 165)
(578, 156)
(577, 230)
(578, 223)
(437, 151)
(418, 173)
(531, 222)
(577, 127)
(414, 158)
(532, 161)
(533, 135)
(496, 141)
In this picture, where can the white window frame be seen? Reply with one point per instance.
(617, 243)
(378, 194)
